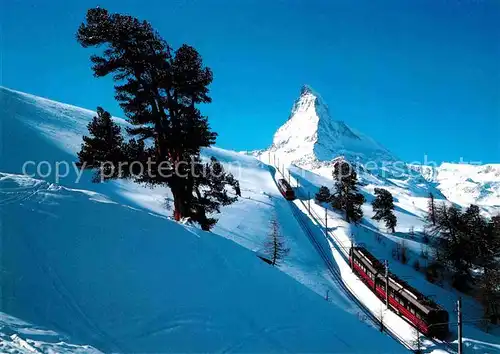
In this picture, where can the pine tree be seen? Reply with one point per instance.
(158, 90)
(477, 231)
(391, 222)
(275, 247)
(346, 196)
(383, 206)
(431, 209)
(323, 195)
(103, 148)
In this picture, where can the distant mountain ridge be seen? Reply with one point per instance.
(466, 184)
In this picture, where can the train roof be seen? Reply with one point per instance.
(414, 293)
(284, 182)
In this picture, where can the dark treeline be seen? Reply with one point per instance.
(158, 89)
(467, 245)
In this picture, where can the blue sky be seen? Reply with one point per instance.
(420, 77)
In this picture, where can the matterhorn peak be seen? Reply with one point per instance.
(307, 89)
(311, 136)
(308, 99)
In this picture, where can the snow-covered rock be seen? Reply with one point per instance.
(311, 136)
(466, 184)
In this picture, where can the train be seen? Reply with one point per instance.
(286, 189)
(423, 313)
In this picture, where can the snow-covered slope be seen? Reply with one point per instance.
(466, 184)
(124, 280)
(373, 236)
(306, 148)
(103, 264)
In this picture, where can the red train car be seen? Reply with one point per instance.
(286, 189)
(406, 301)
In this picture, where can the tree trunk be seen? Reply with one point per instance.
(275, 251)
(179, 202)
(177, 206)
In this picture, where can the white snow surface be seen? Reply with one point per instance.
(17, 336)
(102, 267)
(466, 184)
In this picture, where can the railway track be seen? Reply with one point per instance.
(335, 273)
(338, 278)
